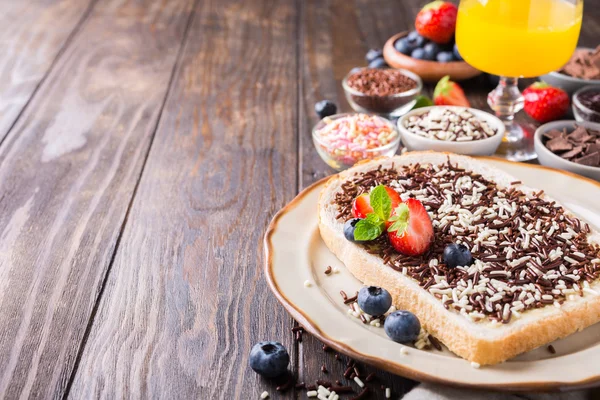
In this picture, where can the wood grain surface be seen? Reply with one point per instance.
(67, 174)
(144, 147)
(186, 297)
(29, 48)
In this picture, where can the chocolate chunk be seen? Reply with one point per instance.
(572, 153)
(579, 135)
(584, 64)
(592, 160)
(554, 133)
(559, 144)
(592, 148)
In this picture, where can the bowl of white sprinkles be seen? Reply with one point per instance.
(453, 129)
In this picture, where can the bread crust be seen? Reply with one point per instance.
(481, 342)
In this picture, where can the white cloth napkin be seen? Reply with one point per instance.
(427, 391)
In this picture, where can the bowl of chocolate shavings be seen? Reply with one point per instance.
(570, 146)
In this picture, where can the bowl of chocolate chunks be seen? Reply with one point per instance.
(571, 146)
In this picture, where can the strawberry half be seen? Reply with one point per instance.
(437, 21)
(545, 103)
(362, 204)
(411, 232)
(448, 93)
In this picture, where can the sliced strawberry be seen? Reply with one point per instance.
(362, 204)
(412, 232)
(448, 93)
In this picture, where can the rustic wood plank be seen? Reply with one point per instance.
(186, 297)
(336, 36)
(33, 35)
(67, 177)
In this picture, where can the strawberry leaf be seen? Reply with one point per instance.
(400, 219)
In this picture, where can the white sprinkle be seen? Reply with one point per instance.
(307, 283)
(359, 382)
(264, 395)
(312, 393)
(403, 350)
(336, 270)
(590, 291)
(570, 260)
(475, 364)
(320, 396)
(323, 390)
(547, 297)
(388, 393)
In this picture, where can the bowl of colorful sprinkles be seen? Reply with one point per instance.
(342, 140)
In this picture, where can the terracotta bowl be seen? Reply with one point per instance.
(429, 71)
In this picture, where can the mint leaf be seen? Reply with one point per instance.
(366, 230)
(399, 219)
(381, 202)
(374, 219)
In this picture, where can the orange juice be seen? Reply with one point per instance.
(518, 38)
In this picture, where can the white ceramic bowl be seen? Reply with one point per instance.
(549, 159)
(483, 147)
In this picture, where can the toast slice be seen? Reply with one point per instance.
(525, 302)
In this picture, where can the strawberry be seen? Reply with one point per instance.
(362, 204)
(448, 93)
(411, 232)
(545, 103)
(437, 21)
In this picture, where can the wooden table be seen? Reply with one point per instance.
(144, 147)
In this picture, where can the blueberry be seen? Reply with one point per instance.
(457, 255)
(378, 63)
(373, 54)
(349, 228)
(431, 50)
(269, 359)
(419, 54)
(445, 56)
(325, 108)
(457, 55)
(402, 326)
(416, 39)
(404, 46)
(374, 300)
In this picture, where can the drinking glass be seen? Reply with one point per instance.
(516, 39)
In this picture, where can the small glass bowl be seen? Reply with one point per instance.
(341, 159)
(391, 106)
(581, 112)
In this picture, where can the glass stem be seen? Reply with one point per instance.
(506, 100)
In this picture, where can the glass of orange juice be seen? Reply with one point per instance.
(514, 39)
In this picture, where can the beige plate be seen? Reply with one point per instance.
(296, 253)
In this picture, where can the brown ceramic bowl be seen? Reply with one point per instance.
(429, 71)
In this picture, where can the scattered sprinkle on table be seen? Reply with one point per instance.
(307, 283)
(264, 395)
(388, 393)
(475, 364)
(358, 381)
(403, 350)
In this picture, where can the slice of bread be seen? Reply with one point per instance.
(480, 341)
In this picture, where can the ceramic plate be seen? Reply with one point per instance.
(295, 253)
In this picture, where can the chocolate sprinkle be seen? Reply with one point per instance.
(528, 252)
